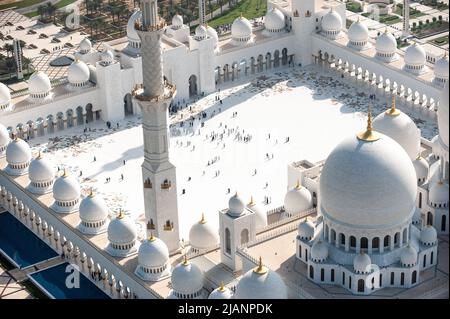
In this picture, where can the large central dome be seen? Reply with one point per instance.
(368, 181)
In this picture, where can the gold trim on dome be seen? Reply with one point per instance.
(393, 111)
(185, 261)
(260, 270)
(65, 174)
(203, 220)
(252, 202)
(419, 156)
(298, 185)
(121, 214)
(369, 135)
(91, 192)
(151, 238)
(221, 287)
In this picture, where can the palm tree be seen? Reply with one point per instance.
(9, 48)
(41, 10)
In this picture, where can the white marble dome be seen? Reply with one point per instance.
(39, 84)
(443, 115)
(131, 31)
(408, 257)
(85, 45)
(236, 205)
(274, 20)
(438, 194)
(297, 200)
(401, 128)
(221, 292)
(177, 21)
(421, 167)
(122, 230)
(306, 229)
(78, 73)
(203, 235)
(428, 235)
(361, 263)
(200, 32)
(386, 43)
(18, 152)
(440, 68)
(153, 253)
(41, 170)
(212, 33)
(4, 137)
(260, 215)
(358, 32)
(93, 208)
(368, 182)
(107, 57)
(5, 96)
(187, 278)
(331, 21)
(415, 55)
(241, 28)
(261, 283)
(319, 251)
(66, 188)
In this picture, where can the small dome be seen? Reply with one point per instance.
(5, 95)
(41, 170)
(401, 128)
(428, 235)
(440, 68)
(443, 115)
(131, 31)
(358, 32)
(93, 208)
(361, 263)
(408, 256)
(66, 188)
(85, 45)
(261, 283)
(306, 229)
(260, 215)
(122, 230)
(297, 200)
(4, 136)
(212, 33)
(187, 278)
(153, 253)
(421, 167)
(39, 83)
(241, 28)
(439, 193)
(236, 205)
(415, 55)
(319, 251)
(221, 292)
(203, 236)
(78, 72)
(18, 152)
(368, 181)
(107, 56)
(200, 32)
(177, 21)
(274, 20)
(386, 43)
(331, 22)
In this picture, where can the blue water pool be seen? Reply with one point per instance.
(55, 282)
(20, 244)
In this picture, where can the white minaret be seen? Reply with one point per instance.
(405, 30)
(18, 58)
(159, 176)
(201, 12)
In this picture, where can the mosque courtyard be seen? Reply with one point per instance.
(264, 122)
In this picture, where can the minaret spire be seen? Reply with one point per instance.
(201, 12)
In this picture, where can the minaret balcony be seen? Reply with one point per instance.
(166, 185)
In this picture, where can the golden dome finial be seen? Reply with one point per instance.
(151, 238)
(386, 30)
(252, 202)
(65, 172)
(221, 287)
(369, 135)
(260, 270)
(298, 185)
(91, 192)
(186, 261)
(39, 155)
(393, 111)
(419, 155)
(121, 215)
(203, 220)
